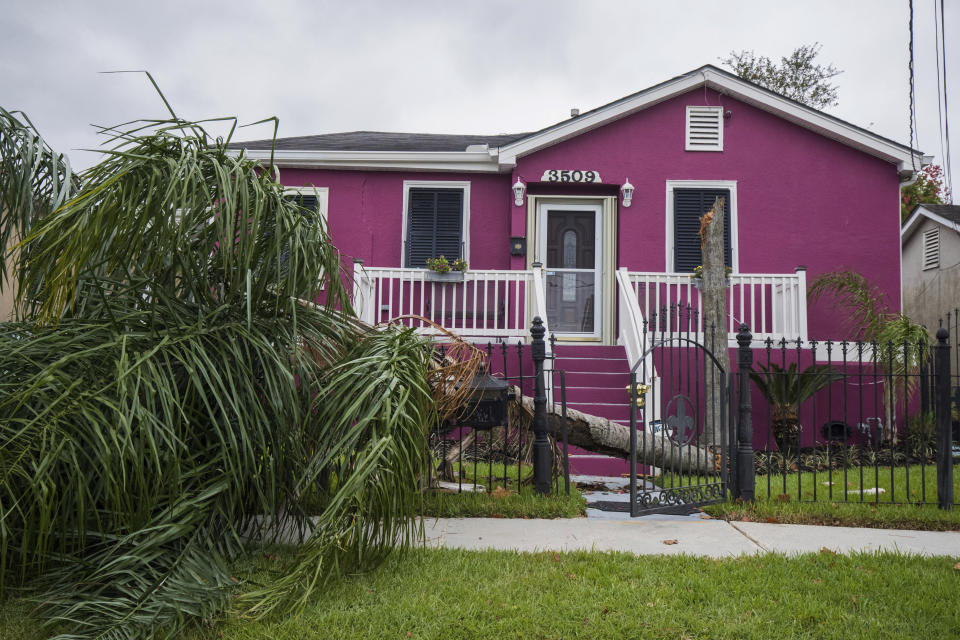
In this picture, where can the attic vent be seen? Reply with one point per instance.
(704, 128)
(931, 248)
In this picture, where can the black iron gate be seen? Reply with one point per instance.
(680, 417)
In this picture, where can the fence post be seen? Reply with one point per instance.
(942, 408)
(746, 478)
(542, 458)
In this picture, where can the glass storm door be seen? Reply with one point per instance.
(570, 248)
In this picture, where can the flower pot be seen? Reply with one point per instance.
(698, 283)
(450, 276)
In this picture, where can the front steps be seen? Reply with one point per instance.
(597, 377)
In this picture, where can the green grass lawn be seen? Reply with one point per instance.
(446, 594)
(846, 514)
(911, 484)
(502, 499)
(816, 504)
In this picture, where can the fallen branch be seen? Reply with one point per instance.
(600, 435)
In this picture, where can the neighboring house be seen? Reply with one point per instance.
(609, 201)
(930, 249)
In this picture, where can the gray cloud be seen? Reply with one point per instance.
(457, 67)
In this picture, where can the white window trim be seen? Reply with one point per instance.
(719, 115)
(436, 184)
(323, 198)
(704, 184)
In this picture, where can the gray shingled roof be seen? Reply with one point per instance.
(380, 141)
(949, 211)
(386, 141)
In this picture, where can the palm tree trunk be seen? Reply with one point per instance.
(713, 293)
(600, 435)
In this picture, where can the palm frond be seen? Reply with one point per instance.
(34, 181)
(862, 303)
(186, 370)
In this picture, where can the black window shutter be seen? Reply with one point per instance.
(308, 203)
(689, 205)
(434, 225)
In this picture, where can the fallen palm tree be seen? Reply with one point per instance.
(165, 400)
(603, 436)
(458, 361)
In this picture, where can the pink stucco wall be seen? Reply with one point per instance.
(366, 213)
(802, 198)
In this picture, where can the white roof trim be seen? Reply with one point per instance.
(474, 161)
(730, 85)
(914, 220)
(499, 160)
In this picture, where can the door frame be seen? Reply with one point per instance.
(605, 311)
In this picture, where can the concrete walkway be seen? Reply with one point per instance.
(646, 536)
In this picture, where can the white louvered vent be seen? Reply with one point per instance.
(931, 248)
(704, 128)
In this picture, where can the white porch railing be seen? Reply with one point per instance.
(773, 305)
(484, 304)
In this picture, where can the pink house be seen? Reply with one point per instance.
(592, 223)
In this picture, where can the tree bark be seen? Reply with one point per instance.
(603, 436)
(445, 470)
(713, 292)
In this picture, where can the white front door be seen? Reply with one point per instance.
(570, 244)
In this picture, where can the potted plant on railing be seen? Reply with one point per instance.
(786, 390)
(443, 271)
(697, 275)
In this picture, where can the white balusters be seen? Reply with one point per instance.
(774, 305)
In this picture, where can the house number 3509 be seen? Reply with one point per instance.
(567, 175)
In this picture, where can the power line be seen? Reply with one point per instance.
(946, 108)
(936, 42)
(911, 116)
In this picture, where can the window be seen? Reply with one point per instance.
(931, 248)
(435, 220)
(312, 200)
(687, 202)
(704, 129)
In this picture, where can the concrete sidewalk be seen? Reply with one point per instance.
(713, 538)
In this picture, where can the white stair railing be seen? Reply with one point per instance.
(539, 276)
(633, 336)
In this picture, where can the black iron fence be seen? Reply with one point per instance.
(831, 421)
(853, 422)
(951, 322)
(481, 458)
(679, 415)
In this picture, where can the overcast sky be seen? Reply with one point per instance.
(439, 67)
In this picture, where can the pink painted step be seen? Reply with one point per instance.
(592, 365)
(596, 377)
(589, 351)
(611, 411)
(606, 395)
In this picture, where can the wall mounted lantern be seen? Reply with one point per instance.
(518, 189)
(627, 191)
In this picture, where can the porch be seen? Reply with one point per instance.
(499, 305)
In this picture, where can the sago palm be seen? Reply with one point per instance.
(785, 390)
(185, 368)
